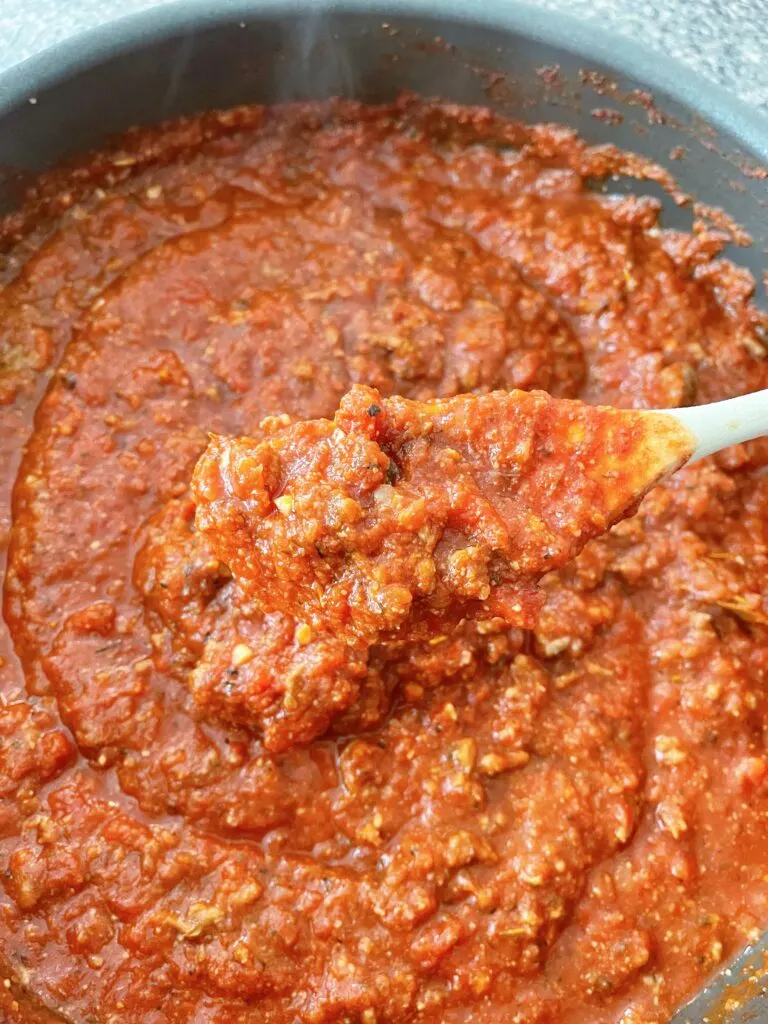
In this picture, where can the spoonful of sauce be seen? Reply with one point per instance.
(399, 519)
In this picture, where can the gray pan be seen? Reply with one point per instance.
(189, 56)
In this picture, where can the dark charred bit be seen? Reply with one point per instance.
(393, 473)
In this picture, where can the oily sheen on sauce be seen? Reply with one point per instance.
(562, 823)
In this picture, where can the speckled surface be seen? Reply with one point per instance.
(726, 40)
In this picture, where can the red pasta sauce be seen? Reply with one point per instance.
(555, 820)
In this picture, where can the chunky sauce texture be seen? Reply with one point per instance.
(560, 821)
(397, 521)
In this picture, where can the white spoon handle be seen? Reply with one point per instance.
(721, 424)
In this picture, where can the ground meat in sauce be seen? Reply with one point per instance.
(562, 823)
(398, 520)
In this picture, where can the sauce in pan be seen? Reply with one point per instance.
(561, 821)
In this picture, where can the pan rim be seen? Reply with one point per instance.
(584, 39)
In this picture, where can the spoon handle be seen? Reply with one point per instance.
(721, 424)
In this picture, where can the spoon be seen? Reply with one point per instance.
(721, 424)
(335, 520)
(400, 521)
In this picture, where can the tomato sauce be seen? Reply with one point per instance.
(559, 820)
(395, 522)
